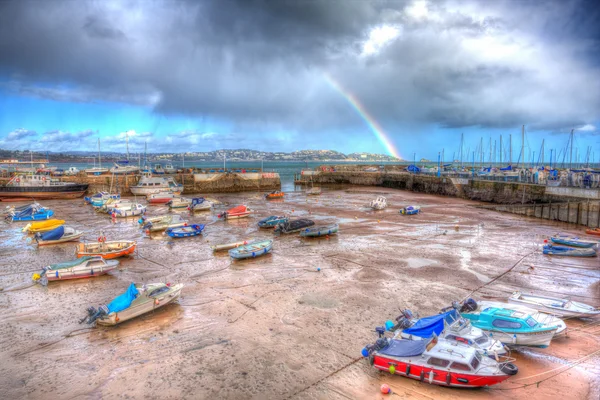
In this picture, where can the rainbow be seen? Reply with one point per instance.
(363, 113)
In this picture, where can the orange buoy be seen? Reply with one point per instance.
(385, 389)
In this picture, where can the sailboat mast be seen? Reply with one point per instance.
(127, 144)
(99, 159)
(481, 148)
(543, 150)
(500, 149)
(522, 146)
(510, 149)
(462, 135)
(571, 156)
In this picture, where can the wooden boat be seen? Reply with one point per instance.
(137, 300)
(410, 210)
(40, 186)
(43, 226)
(438, 362)
(573, 241)
(562, 307)
(228, 246)
(58, 235)
(235, 213)
(107, 250)
(314, 191)
(160, 197)
(179, 202)
(163, 222)
(595, 231)
(185, 231)
(295, 225)
(200, 204)
(274, 195)
(272, 221)
(316, 231)
(379, 203)
(86, 267)
(251, 250)
(568, 251)
(131, 211)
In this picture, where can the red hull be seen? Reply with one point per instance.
(595, 232)
(159, 201)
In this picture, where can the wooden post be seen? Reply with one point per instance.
(598, 214)
(568, 211)
(578, 207)
(550, 210)
(588, 214)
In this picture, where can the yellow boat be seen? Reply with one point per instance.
(43, 226)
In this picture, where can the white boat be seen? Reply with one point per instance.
(59, 235)
(158, 169)
(149, 184)
(123, 168)
(97, 170)
(179, 202)
(163, 222)
(543, 318)
(169, 169)
(562, 307)
(131, 211)
(72, 171)
(379, 203)
(111, 204)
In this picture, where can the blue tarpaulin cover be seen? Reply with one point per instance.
(404, 348)
(413, 168)
(123, 301)
(426, 327)
(54, 234)
(197, 200)
(509, 168)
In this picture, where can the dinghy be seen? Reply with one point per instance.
(200, 204)
(113, 204)
(562, 307)
(86, 267)
(137, 300)
(100, 198)
(132, 211)
(235, 213)
(163, 222)
(12, 209)
(314, 191)
(43, 226)
(316, 231)
(107, 250)
(160, 197)
(179, 202)
(573, 241)
(228, 246)
(272, 221)
(274, 195)
(251, 250)
(379, 203)
(59, 235)
(185, 231)
(568, 251)
(410, 210)
(33, 212)
(595, 231)
(295, 225)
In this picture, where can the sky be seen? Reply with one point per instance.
(404, 78)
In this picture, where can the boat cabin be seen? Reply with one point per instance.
(504, 319)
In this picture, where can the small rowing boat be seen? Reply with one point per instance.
(43, 226)
(562, 307)
(107, 250)
(228, 246)
(272, 221)
(86, 267)
(595, 231)
(317, 231)
(132, 211)
(274, 195)
(179, 202)
(379, 203)
(410, 210)
(568, 251)
(235, 213)
(295, 225)
(251, 250)
(163, 222)
(58, 235)
(573, 241)
(160, 197)
(314, 191)
(185, 231)
(33, 212)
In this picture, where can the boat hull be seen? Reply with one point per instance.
(83, 249)
(251, 250)
(61, 240)
(538, 339)
(43, 193)
(81, 273)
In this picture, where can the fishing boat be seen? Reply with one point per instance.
(595, 231)
(573, 241)
(85, 267)
(252, 250)
(200, 204)
(272, 221)
(39, 186)
(410, 210)
(34, 212)
(163, 222)
(112, 204)
(108, 250)
(137, 300)
(235, 213)
(179, 202)
(185, 231)
(228, 246)
(58, 235)
(158, 170)
(449, 325)
(43, 226)
(379, 203)
(511, 327)
(313, 191)
(274, 195)
(552, 250)
(151, 184)
(131, 211)
(123, 168)
(316, 231)
(100, 198)
(162, 197)
(169, 169)
(438, 362)
(295, 225)
(564, 308)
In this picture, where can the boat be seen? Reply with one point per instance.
(72, 171)
(179, 202)
(595, 231)
(43, 226)
(274, 195)
(235, 213)
(158, 170)
(313, 191)
(252, 250)
(295, 225)
(410, 210)
(131, 211)
(552, 250)
(34, 212)
(272, 221)
(163, 222)
(58, 235)
(137, 300)
(449, 325)
(438, 362)
(152, 184)
(40, 187)
(12, 209)
(97, 170)
(200, 204)
(100, 198)
(228, 246)
(511, 327)
(85, 267)
(107, 250)
(169, 169)
(316, 231)
(564, 308)
(123, 168)
(573, 241)
(185, 231)
(111, 204)
(161, 197)
(379, 203)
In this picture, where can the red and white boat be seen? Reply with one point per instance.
(236, 212)
(438, 362)
(160, 197)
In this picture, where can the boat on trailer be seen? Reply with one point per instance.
(85, 267)
(562, 307)
(316, 231)
(252, 250)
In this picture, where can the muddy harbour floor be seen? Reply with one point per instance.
(275, 327)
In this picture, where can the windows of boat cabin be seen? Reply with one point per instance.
(531, 322)
(476, 361)
(460, 366)
(502, 323)
(438, 362)
(481, 339)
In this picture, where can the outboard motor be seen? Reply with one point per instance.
(468, 306)
(94, 314)
(407, 314)
(402, 323)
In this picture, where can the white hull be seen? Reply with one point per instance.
(545, 304)
(143, 191)
(523, 339)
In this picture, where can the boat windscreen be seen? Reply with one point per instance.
(531, 322)
(476, 361)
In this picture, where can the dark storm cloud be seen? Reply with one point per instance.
(260, 64)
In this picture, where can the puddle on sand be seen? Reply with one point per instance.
(420, 262)
(465, 261)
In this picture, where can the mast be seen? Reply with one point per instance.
(462, 135)
(490, 160)
(522, 146)
(99, 159)
(494, 152)
(543, 150)
(127, 144)
(510, 149)
(481, 149)
(500, 149)
(571, 156)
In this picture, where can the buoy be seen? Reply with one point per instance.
(456, 227)
(389, 325)
(392, 369)
(545, 240)
(385, 389)
(378, 221)
(364, 352)
(318, 269)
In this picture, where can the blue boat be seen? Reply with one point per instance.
(33, 212)
(272, 221)
(410, 210)
(252, 250)
(185, 231)
(552, 250)
(573, 241)
(317, 231)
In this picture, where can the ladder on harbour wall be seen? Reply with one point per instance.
(586, 213)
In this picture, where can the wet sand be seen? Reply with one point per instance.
(273, 327)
